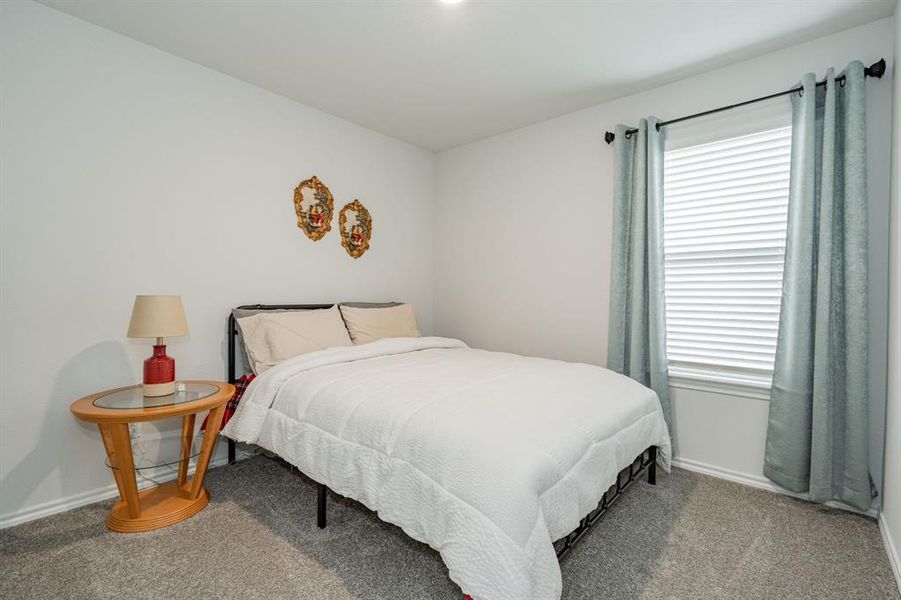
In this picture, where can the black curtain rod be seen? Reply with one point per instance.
(877, 70)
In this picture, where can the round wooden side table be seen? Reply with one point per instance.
(169, 503)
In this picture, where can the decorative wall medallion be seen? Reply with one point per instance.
(355, 225)
(314, 208)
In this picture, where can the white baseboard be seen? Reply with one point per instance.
(162, 475)
(150, 478)
(893, 557)
(757, 481)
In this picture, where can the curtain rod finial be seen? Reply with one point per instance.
(609, 136)
(877, 69)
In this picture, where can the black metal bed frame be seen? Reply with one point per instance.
(646, 461)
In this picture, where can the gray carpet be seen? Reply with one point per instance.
(689, 537)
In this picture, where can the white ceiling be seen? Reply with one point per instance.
(440, 75)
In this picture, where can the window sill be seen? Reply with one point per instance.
(719, 387)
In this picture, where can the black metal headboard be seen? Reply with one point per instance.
(233, 327)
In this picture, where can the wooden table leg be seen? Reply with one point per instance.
(213, 421)
(187, 437)
(124, 461)
(107, 437)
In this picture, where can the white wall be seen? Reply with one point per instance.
(127, 170)
(890, 519)
(523, 237)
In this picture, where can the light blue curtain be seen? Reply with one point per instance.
(636, 345)
(818, 438)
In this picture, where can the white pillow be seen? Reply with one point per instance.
(370, 324)
(272, 338)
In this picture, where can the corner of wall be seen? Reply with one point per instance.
(890, 517)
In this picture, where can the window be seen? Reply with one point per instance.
(725, 214)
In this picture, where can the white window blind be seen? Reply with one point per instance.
(725, 213)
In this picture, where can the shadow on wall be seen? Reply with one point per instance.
(105, 361)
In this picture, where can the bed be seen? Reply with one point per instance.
(488, 457)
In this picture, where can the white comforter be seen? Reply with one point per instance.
(487, 457)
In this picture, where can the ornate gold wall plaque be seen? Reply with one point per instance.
(314, 209)
(355, 225)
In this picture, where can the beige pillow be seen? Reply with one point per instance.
(370, 324)
(272, 338)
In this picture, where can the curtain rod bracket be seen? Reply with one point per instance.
(877, 70)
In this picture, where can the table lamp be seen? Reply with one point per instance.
(158, 317)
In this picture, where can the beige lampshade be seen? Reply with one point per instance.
(157, 317)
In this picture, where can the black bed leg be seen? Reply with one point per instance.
(320, 507)
(231, 452)
(652, 468)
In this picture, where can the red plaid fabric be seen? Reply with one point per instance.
(230, 408)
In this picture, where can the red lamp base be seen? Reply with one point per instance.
(159, 373)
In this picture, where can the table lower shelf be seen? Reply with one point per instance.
(161, 506)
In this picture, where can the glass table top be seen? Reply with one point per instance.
(153, 451)
(134, 397)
